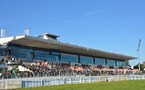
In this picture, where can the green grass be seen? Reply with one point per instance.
(116, 85)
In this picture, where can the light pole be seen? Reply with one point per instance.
(138, 53)
(138, 60)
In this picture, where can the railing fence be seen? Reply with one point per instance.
(48, 81)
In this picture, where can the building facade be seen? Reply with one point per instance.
(47, 48)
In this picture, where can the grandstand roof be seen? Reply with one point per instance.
(59, 46)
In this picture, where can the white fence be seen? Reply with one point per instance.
(47, 81)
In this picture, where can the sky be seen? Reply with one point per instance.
(109, 25)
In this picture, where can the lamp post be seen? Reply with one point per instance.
(138, 54)
(138, 60)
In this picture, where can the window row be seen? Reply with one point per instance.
(36, 50)
(63, 57)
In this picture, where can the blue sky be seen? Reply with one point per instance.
(109, 25)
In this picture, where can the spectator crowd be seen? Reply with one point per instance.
(42, 69)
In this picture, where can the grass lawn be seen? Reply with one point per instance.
(116, 85)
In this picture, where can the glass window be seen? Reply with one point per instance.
(100, 61)
(41, 56)
(120, 63)
(69, 58)
(40, 51)
(2, 52)
(20, 54)
(45, 56)
(53, 58)
(86, 60)
(28, 49)
(20, 48)
(110, 62)
(55, 53)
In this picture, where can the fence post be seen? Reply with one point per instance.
(23, 84)
(80, 80)
(6, 87)
(99, 78)
(70, 80)
(83, 80)
(135, 77)
(89, 79)
(42, 81)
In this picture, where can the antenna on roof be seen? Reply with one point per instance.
(2, 33)
(26, 32)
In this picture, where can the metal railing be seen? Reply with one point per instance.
(59, 80)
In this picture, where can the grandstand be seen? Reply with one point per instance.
(28, 56)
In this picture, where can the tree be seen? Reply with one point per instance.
(143, 64)
(141, 67)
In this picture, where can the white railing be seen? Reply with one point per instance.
(47, 81)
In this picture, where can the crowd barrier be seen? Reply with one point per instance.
(48, 81)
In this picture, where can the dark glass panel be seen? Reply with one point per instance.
(41, 56)
(120, 63)
(69, 58)
(20, 54)
(53, 58)
(2, 52)
(86, 60)
(100, 61)
(110, 62)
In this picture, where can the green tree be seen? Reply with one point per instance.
(141, 67)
